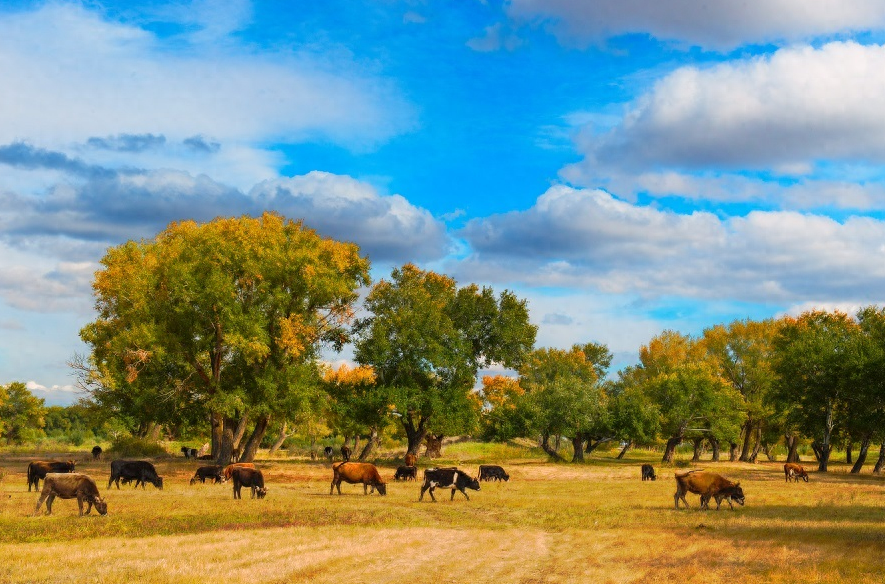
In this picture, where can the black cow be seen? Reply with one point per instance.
(37, 470)
(140, 471)
(447, 478)
(329, 452)
(490, 472)
(189, 452)
(345, 453)
(208, 472)
(206, 457)
(96, 453)
(648, 472)
(248, 477)
(406, 473)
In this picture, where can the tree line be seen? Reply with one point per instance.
(219, 328)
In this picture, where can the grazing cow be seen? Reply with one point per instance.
(411, 460)
(229, 469)
(648, 472)
(96, 453)
(329, 452)
(37, 470)
(406, 473)
(71, 486)
(446, 478)
(489, 472)
(357, 472)
(248, 477)
(205, 457)
(345, 453)
(208, 472)
(707, 484)
(794, 471)
(140, 471)
(189, 452)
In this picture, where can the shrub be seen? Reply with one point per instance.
(132, 446)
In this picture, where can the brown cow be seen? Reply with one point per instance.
(37, 469)
(707, 484)
(357, 472)
(794, 471)
(71, 486)
(345, 453)
(229, 468)
(411, 460)
(243, 476)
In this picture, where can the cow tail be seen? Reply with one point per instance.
(30, 474)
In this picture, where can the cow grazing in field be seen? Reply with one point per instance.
(328, 452)
(229, 469)
(208, 472)
(707, 485)
(96, 453)
(140, 471)
(648, 472)
(345, 453)
(794, 471)
(248, 477)
(492, 472)
(406, 473)
(411, 460)
(357, 472)
(37, 470)
(71, 486)
(446, 478)
(189, 452)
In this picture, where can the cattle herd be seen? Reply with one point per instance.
(60, 479)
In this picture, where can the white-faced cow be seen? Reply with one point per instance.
(447, 478)
(71, 486)
(248, 477)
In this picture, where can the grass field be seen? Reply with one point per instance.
(595, 522)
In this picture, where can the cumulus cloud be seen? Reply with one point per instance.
(713, 25)
(71, 75)
(585, 238)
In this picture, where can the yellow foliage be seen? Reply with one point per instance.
(500, 390)
(346, 375)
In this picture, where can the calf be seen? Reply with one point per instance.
(707, 485)
(96, 453)
(329, 452)
(447, 478)
(406, 473)
(140, 471)
(248, 477)
(229, 469)
(345, 453)
(490, 472)
(37, 470)
(71, 486)
(794, 471)
(648, 472)
(357, 472)
(208, 472)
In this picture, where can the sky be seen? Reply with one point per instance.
(627, 166)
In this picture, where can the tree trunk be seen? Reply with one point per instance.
(861, 455)
(792, 442)
(250, 449)
(591, 445)
(696, 444)
(226, 446)
(281, 438)
(747, 433)
(670, 450)
(768, 451)
(881, 462)
(216, 421)
(826, 446)
(433, 445)
(371, 443)
(544, 443)
(848, 453)
(240, 431)
(757, 446)
(714, 444)
(732, 451)
(414, 435)
(578, 447)
(624, 450)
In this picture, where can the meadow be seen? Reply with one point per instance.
(593, 522)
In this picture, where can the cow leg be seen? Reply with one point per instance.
(423, 488)
(80, 504)
(49, 503)
(431, 494)
(40, 502)
(365, 489)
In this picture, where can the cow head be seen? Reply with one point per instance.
(100, 506)
(158, 483)
(736, 494)
(382, 488)
(261, 492)
(506, 477)
(73, 464)
(471, 483)
(804, 475)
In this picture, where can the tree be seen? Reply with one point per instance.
(566, 397)
(504, 414)
(865, 415)
(22, 415)
(426, 339)
(813, 360)
(224, 319)
(356, 407)
(635, 418)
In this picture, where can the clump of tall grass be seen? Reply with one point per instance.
(134, 447)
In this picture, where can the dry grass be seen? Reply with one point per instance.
(551, 523)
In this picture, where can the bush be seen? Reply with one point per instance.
(133, 447)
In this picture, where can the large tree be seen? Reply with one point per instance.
(426, 338)
(225, 318)
(22, 414)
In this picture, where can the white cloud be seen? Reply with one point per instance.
(716, 25)
(590, 240)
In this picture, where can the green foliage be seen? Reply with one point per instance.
(135, 447)
(21, 414)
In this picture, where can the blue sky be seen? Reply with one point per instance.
(627, 166)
